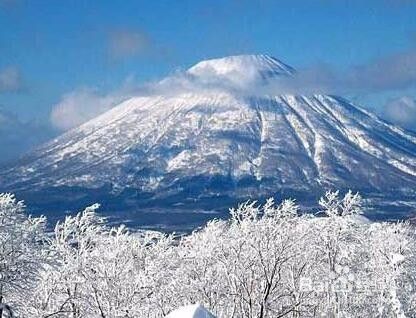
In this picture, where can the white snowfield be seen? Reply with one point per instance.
(191, 311)
(264, 141)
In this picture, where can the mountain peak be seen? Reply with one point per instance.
(241, 67)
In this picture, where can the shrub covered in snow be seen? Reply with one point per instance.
(267, 260)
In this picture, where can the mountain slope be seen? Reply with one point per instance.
(204, 148)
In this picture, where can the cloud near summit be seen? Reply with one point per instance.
(80, 105)
(396, 71)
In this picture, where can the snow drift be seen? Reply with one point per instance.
(191, 311)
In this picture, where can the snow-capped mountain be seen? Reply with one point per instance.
(216, 141)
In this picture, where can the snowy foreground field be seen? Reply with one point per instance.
(265, 261)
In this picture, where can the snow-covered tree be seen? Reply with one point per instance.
(22, 253)
(339, 240)
(266, 261)
(100, 272)
(60, 291)
(391, 268)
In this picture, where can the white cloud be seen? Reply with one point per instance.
(80, 105)
(127, 43)
(401, 111)
(396, 71)
(10, 79)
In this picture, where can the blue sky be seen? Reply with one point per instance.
(51, 50)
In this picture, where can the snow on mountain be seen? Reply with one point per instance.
(203, 149)
(242, 69)
(191, 311)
